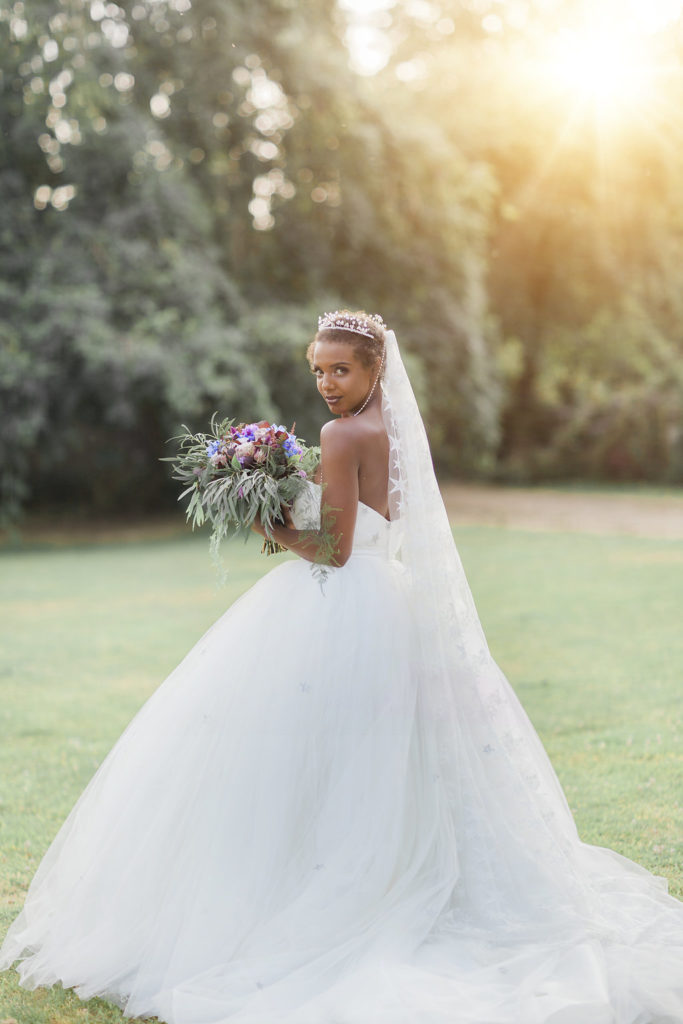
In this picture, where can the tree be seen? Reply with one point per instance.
(190, 184)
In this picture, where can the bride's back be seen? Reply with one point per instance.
(370, 441)
(373, 468)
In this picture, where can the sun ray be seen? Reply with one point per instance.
(610, 79)
(607, 65)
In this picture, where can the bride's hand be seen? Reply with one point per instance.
(285, 514)
(257, 525)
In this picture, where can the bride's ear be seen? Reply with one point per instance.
(379, 366)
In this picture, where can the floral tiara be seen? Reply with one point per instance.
(340, 321)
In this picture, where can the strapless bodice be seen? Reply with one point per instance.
(373, 535)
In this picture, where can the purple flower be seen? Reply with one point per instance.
(240, 492)
(290, 446)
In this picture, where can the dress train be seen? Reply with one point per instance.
(272, 841)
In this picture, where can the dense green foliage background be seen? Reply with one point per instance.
(185, 186)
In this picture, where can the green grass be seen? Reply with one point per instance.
(587, 629)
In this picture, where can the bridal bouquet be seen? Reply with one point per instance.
(238, 471)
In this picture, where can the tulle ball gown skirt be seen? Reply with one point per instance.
(270, 841)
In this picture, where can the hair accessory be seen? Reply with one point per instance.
(340, 321)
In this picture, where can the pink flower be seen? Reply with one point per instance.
(261, 456)
(244, 449)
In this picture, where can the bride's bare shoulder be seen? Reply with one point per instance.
(349, 430)
(340, 432)
(349, 438)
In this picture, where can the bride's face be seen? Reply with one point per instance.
(343, 380)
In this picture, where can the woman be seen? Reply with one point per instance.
(335, 811)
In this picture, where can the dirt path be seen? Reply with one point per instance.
(529, 508)
(545, 509)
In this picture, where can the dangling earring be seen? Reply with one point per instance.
(372, 389)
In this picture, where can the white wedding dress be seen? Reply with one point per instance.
(297, 828)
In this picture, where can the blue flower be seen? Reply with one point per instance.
(212, 448)
(291, 447)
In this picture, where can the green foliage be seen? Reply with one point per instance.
(184, 190)
(189, 186)
(275, 336)
(583, 245)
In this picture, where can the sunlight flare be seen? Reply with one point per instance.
(602, 64)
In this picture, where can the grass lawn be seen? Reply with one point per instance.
(587, 628)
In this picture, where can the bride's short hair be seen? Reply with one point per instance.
(368, 341)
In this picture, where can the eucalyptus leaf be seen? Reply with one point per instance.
(229, 490)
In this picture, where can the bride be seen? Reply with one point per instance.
(335, 810)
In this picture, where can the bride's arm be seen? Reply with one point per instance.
(339, 504)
